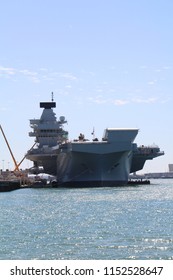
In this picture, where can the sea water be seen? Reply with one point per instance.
(133, 222)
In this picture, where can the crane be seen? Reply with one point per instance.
(16, 168)
(14, 160)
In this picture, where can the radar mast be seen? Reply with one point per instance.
(52, 96)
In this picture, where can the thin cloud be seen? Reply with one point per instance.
(51, 76)
(42, 74)
(68, 76)
(33, 76)
(28, 73)
(98, 100)
(43, 69)
(123, 102)
(3, 109)
(153, 82)
(167, 67)
(7, 70)
(146, 100)
(120, 102)
(143, 67)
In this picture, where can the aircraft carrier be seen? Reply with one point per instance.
(84, 163)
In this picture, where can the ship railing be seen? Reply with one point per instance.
(154, 146)
(153, 149)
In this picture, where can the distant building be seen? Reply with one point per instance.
(156, 175)
(170, 166)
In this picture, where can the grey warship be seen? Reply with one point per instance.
(84, 163)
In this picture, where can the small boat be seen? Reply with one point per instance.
(139, 182)
(6, 185)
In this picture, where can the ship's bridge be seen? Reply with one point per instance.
(47, 130)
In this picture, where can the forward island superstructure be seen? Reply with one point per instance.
(83, 163)
(49, 134)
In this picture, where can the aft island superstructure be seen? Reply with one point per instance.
(83, 163)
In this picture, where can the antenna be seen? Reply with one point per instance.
(52, 96)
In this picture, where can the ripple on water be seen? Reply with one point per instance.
(103, 223)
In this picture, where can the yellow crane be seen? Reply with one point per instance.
(14, 160)
(17, 167)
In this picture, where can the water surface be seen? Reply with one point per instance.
(134, 222)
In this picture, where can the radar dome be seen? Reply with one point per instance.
(62, 118)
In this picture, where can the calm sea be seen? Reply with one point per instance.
(134, 222)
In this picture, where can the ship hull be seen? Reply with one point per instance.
(80, 166)
(74, 164)
(90, 163)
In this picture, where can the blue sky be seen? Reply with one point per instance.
(108, 62)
